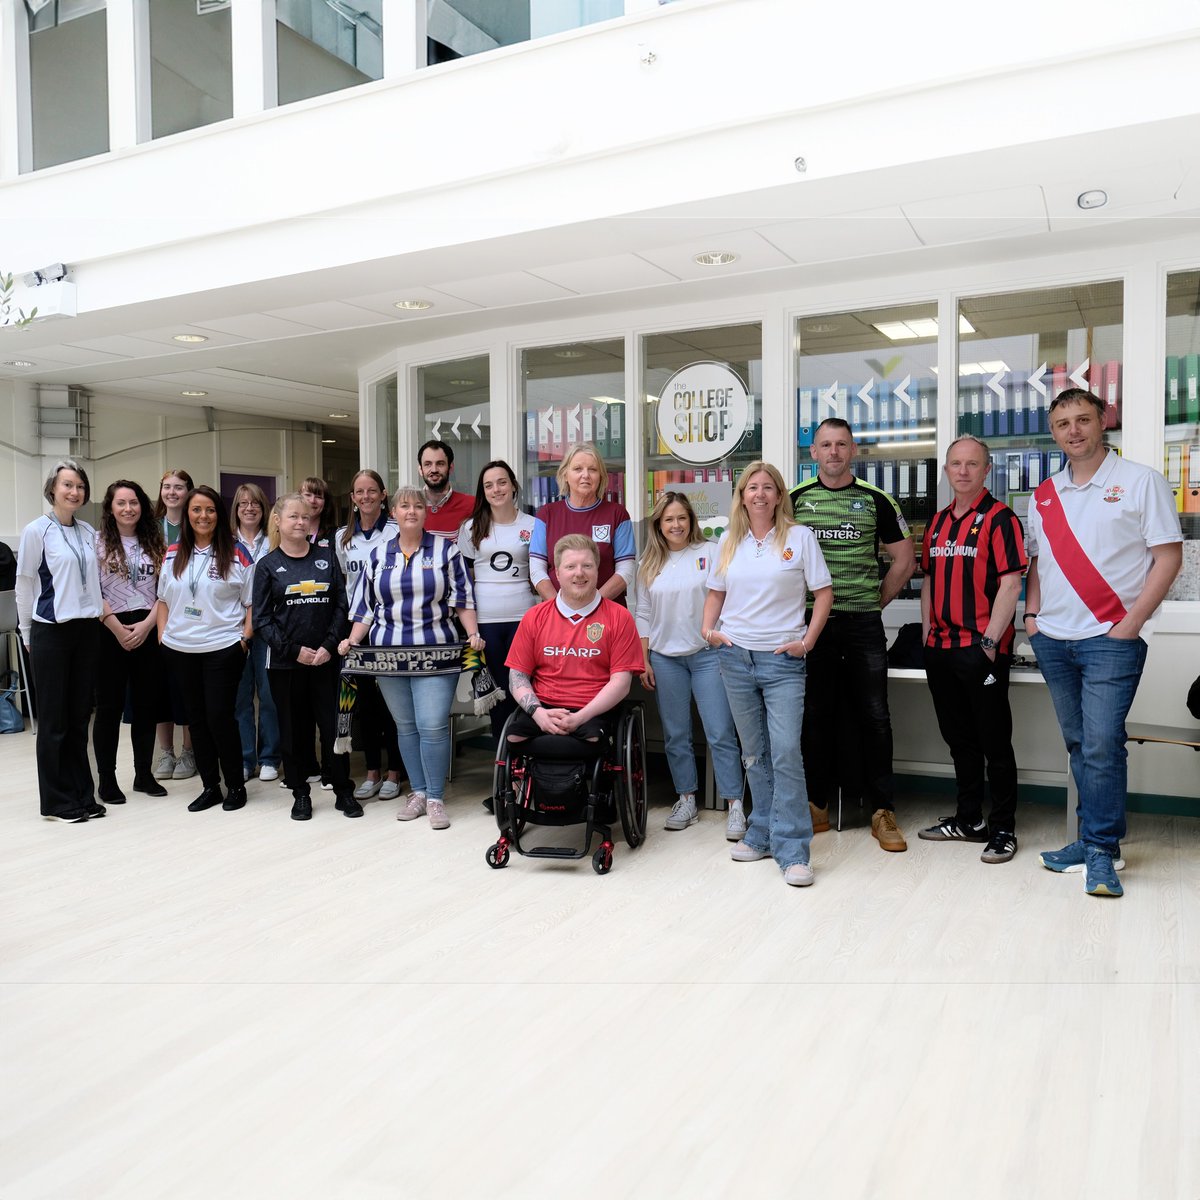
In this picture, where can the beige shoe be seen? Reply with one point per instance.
(437, 815)
(820, 818)
(414, 808)
(886, 832)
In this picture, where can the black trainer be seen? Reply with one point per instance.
(209, 798)
(950, 829)
(96, 811)
(78, 817)
(349, 806)
(1000, 848)
(302, 809)
(148, 785)
(236, 799)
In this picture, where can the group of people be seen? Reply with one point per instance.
(776, 632)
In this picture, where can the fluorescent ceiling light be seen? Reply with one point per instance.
(897, 331)
(918, 327)
(20, 362)
(462, 383)
(964, 326)
(193, 393)
(339, 416)
(329, 441)
(570, 354)
(982, 368)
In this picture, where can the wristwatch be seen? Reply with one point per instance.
(987, 643)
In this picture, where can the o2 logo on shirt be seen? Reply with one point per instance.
(601, 533)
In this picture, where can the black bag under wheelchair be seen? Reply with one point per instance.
(560, 780)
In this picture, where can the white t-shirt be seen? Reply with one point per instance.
(1123, 510)
(204, 611)
(764, 591)
(58, 578)
(670, 611)
(502, 588)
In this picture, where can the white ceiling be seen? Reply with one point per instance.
(293, 346)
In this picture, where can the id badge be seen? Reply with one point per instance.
(192, 614)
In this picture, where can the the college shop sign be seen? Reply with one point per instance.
(704, 411)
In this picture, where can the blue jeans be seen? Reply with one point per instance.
(676, 681)
(1092, 683)
(766, 696)
(420, 706)
(263, 750)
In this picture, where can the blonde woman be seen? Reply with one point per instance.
(679, 665)
(765, 566)
(583, 481)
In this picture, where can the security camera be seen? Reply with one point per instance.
(51, 274)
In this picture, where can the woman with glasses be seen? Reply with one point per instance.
(260, 748)
(765, 566)
(130, 549)
(679, 665)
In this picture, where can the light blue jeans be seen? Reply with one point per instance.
(262, 749)
(676, 681)
(1092, 683)
(766, 696)
(420, 706)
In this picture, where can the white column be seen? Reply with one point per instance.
(128, 40)
(503, 404)
(778, 407)
(404, 36)
(1143, 424)
(255, 75)
(16, 142)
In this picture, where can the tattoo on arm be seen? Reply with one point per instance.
(522, 690)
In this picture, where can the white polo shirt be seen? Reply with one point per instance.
(765, 590)
(670, 611)
(1116, 517)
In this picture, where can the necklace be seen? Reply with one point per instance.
(760, 544)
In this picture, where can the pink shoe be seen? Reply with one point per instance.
(414, 808)
(437, 815)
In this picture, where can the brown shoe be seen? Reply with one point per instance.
(886, 832)
(820, 818)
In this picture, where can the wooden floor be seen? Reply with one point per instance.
(238, 1005)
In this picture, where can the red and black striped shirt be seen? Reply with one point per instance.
(963, 559)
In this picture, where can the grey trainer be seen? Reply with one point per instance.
(684, 813)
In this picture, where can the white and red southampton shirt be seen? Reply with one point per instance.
(1092, 543)
(569, 656)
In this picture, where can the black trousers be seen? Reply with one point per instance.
(376, 728)
(140, 671)
(209, 681)
(304, 697)
(63, 660)
(497, 642)
(976, 723)
(850, 654)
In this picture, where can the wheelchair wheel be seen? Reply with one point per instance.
(502, 778)
(631, 788)
(602, 860)
(497, 856)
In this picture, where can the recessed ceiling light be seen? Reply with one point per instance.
(20, 362)
(413, 305)
(189, 337)
(329, 441)
(1096, 198)
(570, 354)
(714, 258)
(462, 383)
(339, 416)
(821, 327)
(193, 393)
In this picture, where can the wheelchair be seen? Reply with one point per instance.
(558, 780)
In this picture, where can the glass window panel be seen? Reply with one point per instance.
(876, 369)
(386, 395)
(454, 406)
(735, 347)
(570, 394)
(1182, 417)
(1016, 352)
(191, 67)
(460, 28)
(326, 45)
(68, 77)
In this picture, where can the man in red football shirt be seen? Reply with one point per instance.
(573, 658)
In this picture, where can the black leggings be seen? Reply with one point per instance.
(209, 681)
(305, 696)
(141, 671)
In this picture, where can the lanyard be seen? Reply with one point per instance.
(132, 565)
(194, 576)
(76, 549)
